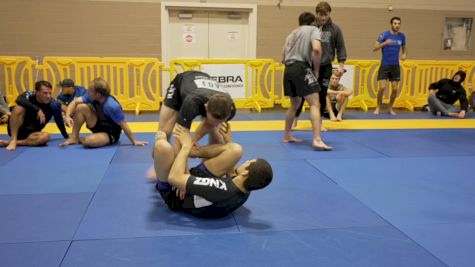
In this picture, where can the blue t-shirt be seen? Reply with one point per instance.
(112, 110)
(391, 52)
(78, 92)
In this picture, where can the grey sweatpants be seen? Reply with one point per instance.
(437, 105)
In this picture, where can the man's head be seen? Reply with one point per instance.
(395, 24)
(322, 11)
(258, 173)
(306, 18)
(334, 80)
(459, 76)
(67, 87)
(43, 90)
(218, 109)
(98, 88)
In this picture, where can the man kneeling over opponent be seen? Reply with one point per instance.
(208, 193)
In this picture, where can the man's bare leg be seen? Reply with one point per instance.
(16, 121)
(382, 84)
(167, 120)
(315, 118)
(289, 120)
(341, 105)
(392, 99)
(163, 157)
(225, 160)
(34, 139)
(83, 114)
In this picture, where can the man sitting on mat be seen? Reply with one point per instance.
(444, 93)
(30, 116)
(203, 191)
(103, 116)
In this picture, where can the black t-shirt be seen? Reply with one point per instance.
(212, 196)
(195, 89)
(32, 106)
(449, 92)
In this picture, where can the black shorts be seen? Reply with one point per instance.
(389, 72)
(112, 130)
(173, 97)
(299, 80)
(24, 131)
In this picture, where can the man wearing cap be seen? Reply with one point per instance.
(69, 92)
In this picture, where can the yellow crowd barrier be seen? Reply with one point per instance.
(416, 76)
(137, 82)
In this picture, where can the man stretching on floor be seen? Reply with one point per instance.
(208, 193)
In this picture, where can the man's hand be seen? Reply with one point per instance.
(140, 143)
(388, 42)
(340, 71)
(225, 131)
(68, 121)
(41, 116)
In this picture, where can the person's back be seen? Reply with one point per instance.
(298, 45)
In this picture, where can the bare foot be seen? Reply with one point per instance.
(438, 113)
(390, 111)
(291, 139)
(376, 111)
(333, 118)
(339, 118)
(150, 174)
(70, 141)
(319, 145)
(11, 146)
(323, 129)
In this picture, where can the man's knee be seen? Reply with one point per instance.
(39, 138)
(18, 111)
(234, 148)
(432, 98)
(161, 146)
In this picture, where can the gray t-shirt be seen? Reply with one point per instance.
(298, 46)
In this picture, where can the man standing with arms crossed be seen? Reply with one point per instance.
(391, 43)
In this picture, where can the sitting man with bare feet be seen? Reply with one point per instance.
(444, 93)
(302, 50)
(204, 191)
(30, 116)
(103, 116)
(337, 98)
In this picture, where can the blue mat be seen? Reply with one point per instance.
(128, 206)
(377, 246)
(314, 201)
(409, 191)
(452, 243)
(33, 254)
(51, 169)
(48, 217)
(414, 143)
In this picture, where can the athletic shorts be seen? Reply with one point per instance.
(173, 98)
(174, 203)
(113, 131)
(299, 80)
(24, 131)
(389, 72)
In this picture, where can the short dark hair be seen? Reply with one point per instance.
(38, 85)
(260, 175)
(220, 106)
(306, 18)
(101, 86)
(323, 7)
(394, 18)
(67, 83)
